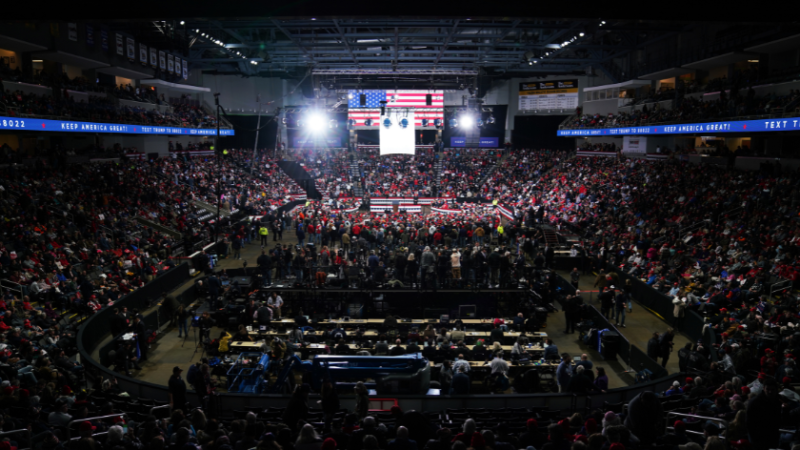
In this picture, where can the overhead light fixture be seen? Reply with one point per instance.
(197, 31)
(37, 60)
(313, 18)
(350, 96)
(183, 23)
(530, 63)
(316, 122)
(580, 34)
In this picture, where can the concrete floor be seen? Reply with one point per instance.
(170, 351)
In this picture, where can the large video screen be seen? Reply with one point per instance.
(548, 95)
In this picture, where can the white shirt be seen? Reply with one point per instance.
(276, 302)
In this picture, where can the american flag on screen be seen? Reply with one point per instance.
(395, 99)
(360, 115)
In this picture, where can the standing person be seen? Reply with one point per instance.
(620, 303)
(264, 233)
(177, 390)
(653, 347)
(265, 266)
(275, 302)
(679, 311)
(455, 263)
(182, 317)
(202, 384)
(606, 298)
(575, 277)
(446, 376)
(362, 400)
(141, 336)
(329, 403)
(665, 345)
(564, 373)
(572, 311)
(237, 247)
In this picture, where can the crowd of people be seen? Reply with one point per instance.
(729, 104)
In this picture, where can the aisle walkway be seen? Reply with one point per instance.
(640, 324)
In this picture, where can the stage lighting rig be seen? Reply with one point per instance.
(316, 122)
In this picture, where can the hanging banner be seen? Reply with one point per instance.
(185, 70)
(131, 46)
(90, 35)
(170, 63)
(73, 31)
(104, 40)
(153, 58)
(120, 45)
(162, 60)
(142, 54)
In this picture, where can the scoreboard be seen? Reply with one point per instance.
(548, 95)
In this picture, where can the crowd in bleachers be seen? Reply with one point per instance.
(689, 109)
(101, 109)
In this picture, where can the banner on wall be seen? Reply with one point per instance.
(72, 31)
(142, 54)
(170, 64)
(484, 142)
(731, 126)
(131, 47)
(317, 142)
(120, 45)
(104, 40)
(153, 58)
(90, 35)
(162, 60)
(44, 125)
(185, 69)
(177, 66)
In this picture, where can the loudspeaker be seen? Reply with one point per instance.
(428, 99)
(362, 99)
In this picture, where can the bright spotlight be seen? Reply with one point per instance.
(352, 122)
(467, 121)
(350, 96)
(368, 123)
(437, 123)
(425, 122)
(581, 34)
(479, 122)
(403, 123)
(490, 120)
(316, 122)
(453, 123)
(182, 22)
(387, 122)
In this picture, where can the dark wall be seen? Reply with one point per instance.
(245, 137)
(497, 129)
(539, 132)
(340, 131)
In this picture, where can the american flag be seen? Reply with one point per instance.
(415, 100)
(396, 99)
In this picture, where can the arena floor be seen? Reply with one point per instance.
(171, 351)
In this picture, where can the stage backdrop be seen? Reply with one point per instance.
(395, 138)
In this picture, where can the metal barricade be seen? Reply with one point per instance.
(672, 415)
(109, 416)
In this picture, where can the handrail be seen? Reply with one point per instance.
(109, 416)
(159, 407)
(21, 430)
(737, 209)
(670, 414)
(785, 284)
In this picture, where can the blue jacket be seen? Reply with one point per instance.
(563, 374)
